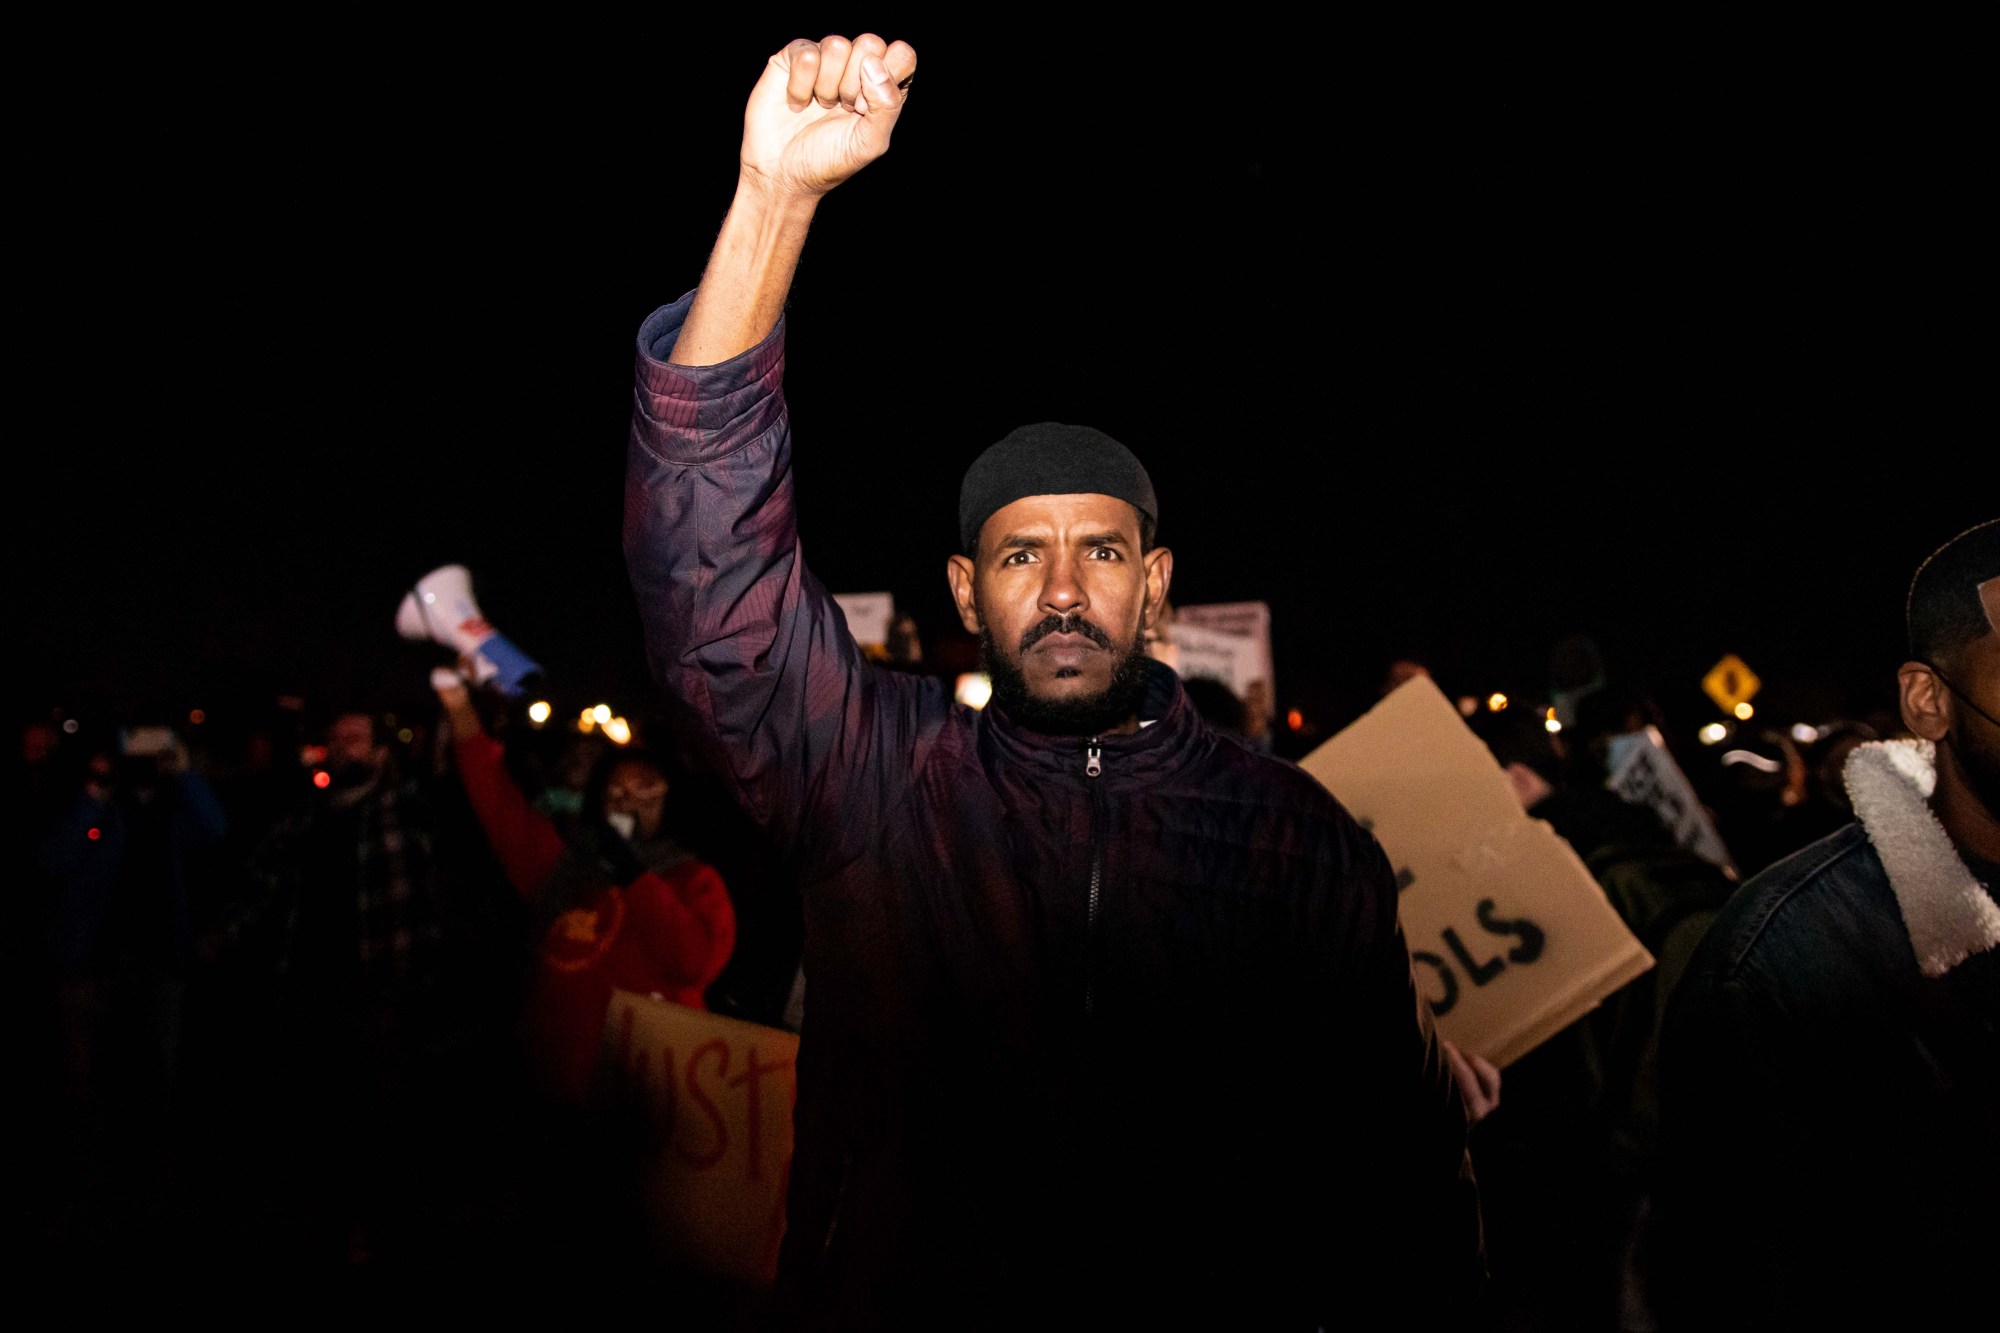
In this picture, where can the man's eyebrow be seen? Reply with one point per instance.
(1017, 540)
(1107, 539)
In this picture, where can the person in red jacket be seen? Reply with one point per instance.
(627, 907)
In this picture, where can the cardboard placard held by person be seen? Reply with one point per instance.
(1511, 940)
(1644, 773)
(718, 1097)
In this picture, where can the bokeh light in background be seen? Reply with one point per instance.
(973, 689)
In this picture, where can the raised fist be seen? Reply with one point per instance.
(450, 686)
(824, 110)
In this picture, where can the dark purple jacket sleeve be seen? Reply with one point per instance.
(820, 744)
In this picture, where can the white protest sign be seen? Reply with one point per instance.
(1644, 773)
(868, 616)
(1511, 940)
(1226, 641)
(718, 1094)
(1205, 654)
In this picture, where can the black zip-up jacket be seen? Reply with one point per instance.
(1097, 1031)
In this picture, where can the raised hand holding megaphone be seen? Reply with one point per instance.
(441, 608)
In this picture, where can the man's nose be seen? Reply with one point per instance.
(1062, 590)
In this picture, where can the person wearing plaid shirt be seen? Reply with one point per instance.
(350, 925)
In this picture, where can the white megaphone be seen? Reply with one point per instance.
(440, 608)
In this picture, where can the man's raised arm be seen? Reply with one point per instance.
(820, 113)
(735, 625)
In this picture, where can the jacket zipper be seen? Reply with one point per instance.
(1093, 766)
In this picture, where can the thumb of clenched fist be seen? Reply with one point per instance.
(823, 110)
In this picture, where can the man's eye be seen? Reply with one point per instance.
(1018, 558)
(1105, 551)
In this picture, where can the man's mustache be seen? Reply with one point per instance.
(1071, 624)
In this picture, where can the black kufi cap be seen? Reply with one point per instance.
(1050, 458)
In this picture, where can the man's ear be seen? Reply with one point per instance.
(958, 571)
(1926, 701)
(1159, 579)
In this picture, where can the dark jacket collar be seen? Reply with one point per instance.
(1149, 752)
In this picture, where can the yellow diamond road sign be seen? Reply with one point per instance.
(1730, 682)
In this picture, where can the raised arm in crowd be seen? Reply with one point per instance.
(622, 905)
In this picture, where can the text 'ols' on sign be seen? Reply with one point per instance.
(1731, 682)
(1510, 938)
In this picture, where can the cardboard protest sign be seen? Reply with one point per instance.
(1510, 937)
(868, 616)
(718, 1093)
(1225, 641)
(1644, 773)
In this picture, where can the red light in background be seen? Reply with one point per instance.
(94, 834)
(1295, 720)
(197, 716)
(322, 779)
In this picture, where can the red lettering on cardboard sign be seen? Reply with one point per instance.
(753, 1115)
(696, 1094)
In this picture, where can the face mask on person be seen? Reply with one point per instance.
(557, 801)
(352, 774)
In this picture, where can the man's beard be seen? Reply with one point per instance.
(1080, 715)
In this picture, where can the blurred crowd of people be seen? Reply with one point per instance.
(325, 994)
(1569, 1162)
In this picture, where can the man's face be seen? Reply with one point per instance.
(638, 790)
(1954, 702)
(1975, 740)
(1060, 594)
(351, 751)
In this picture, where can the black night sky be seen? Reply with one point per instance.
(1439, 366)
